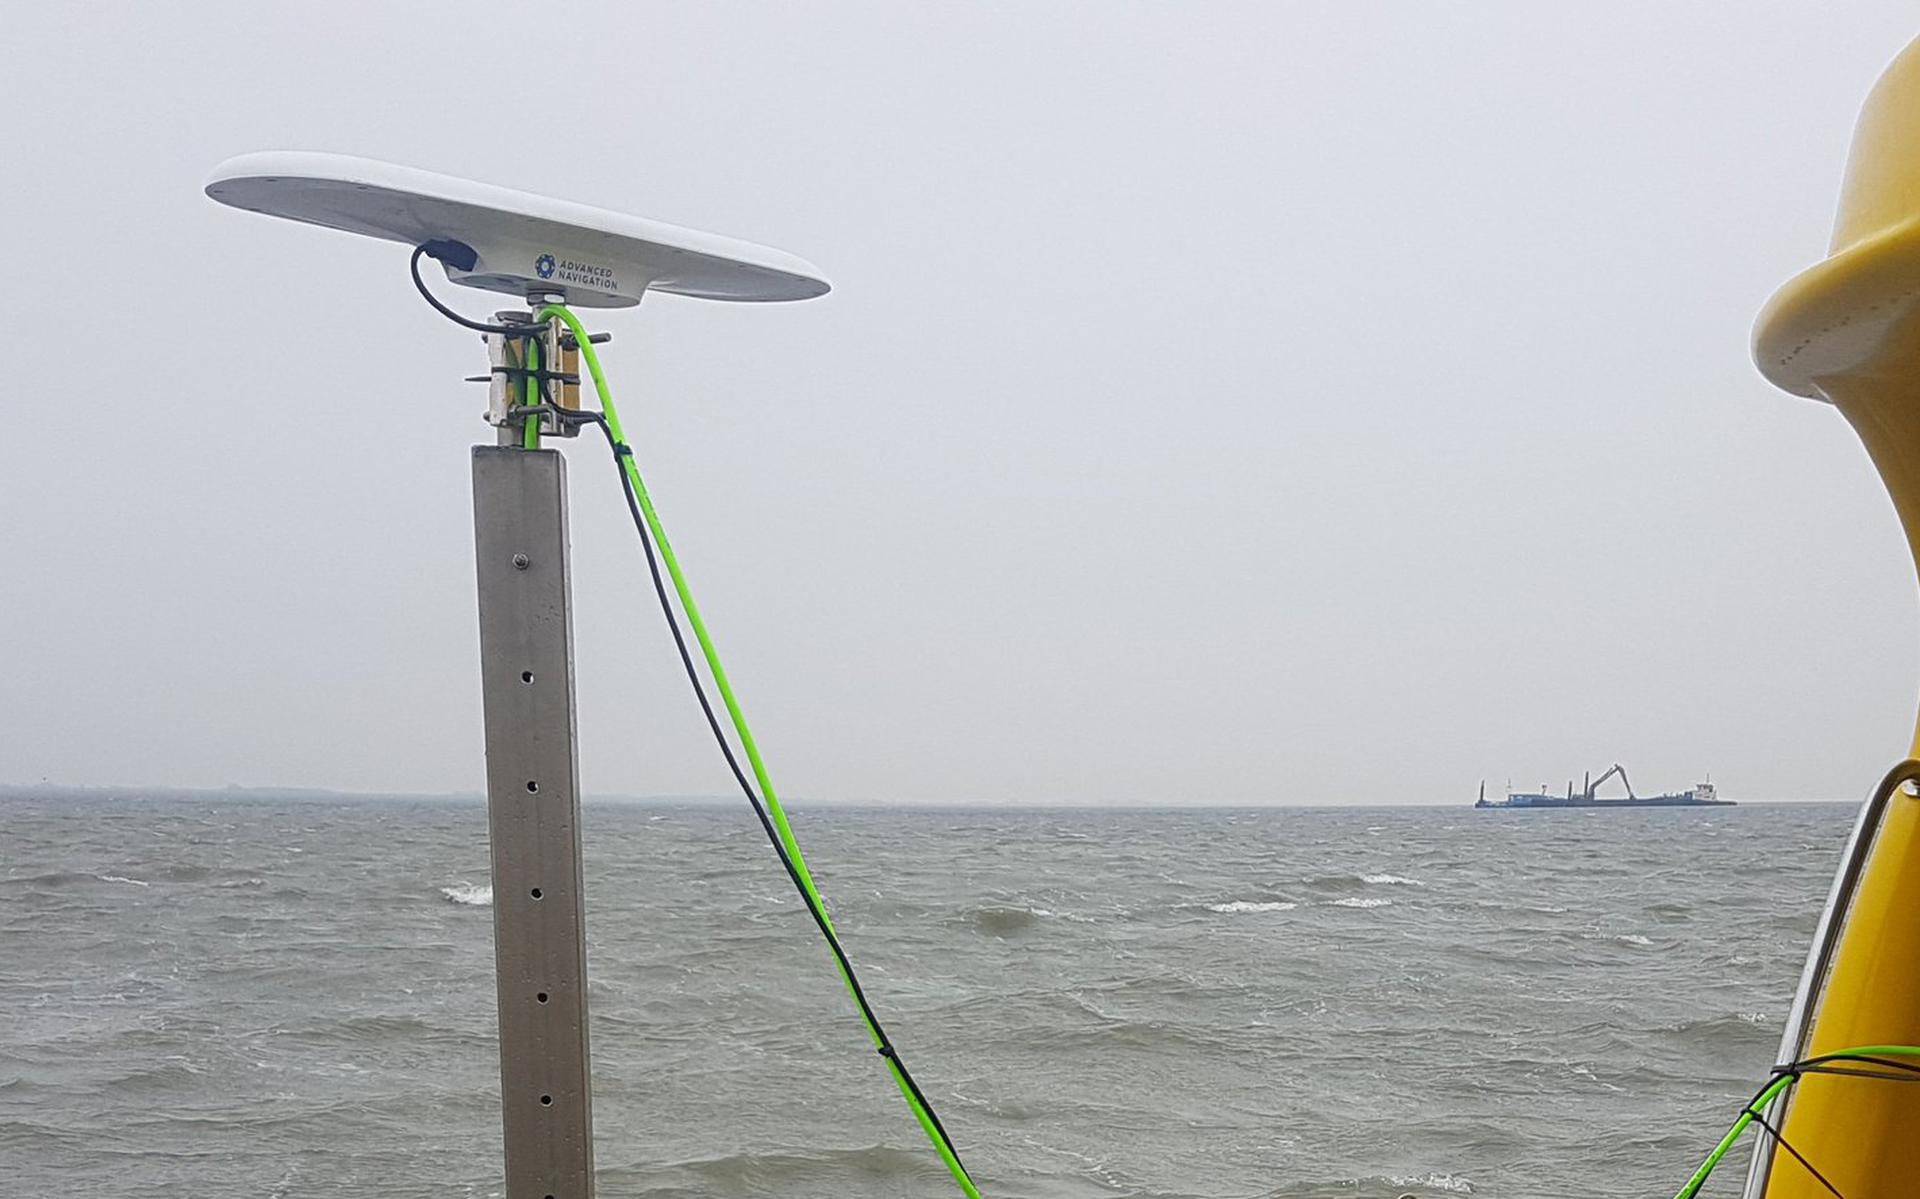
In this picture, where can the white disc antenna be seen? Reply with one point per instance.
(510, 241)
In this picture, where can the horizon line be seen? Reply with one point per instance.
(274, 791)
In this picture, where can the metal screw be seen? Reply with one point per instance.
(519, 561)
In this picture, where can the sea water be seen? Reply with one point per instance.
(253, 997)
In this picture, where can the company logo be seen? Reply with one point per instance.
(572, 270)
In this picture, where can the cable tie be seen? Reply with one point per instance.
(540, 373)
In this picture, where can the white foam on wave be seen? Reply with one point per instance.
(1247, 905)
(116, 878)
(1632, 939)
(1391, 880)
(1356, 901)
(469, 895)
(1439, 1182)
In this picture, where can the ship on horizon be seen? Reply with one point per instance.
(1702, 796)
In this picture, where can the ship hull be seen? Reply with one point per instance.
(1531, 803)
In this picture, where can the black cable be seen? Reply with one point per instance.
(1878, 1075)
(1797, 1155)
(885, 1047)
(1893, 1070)
(420, 285)
(1811, 1064)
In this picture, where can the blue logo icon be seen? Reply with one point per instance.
(544, 265)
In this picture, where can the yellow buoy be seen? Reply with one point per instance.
(1848, 331)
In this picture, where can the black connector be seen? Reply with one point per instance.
(456, 254)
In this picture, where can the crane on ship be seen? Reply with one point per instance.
(1612, 770)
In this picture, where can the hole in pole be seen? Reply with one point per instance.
(546, 1101)
(532, 786)
(541, 997)
(526, 676)
(536, 892)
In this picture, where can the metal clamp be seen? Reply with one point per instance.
(557, 376)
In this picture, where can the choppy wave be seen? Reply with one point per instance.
(1250, 905)
(70, 878)
(1357, 882)
(391, 1029)
(1099, 1003)
(1380, 1186)
(188, 872)
(1451, 1183)
(1006, 921)
(1334, 882)
(476, 895)
(1731, 1032)
(744, 1172)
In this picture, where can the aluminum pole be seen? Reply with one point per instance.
(533, 819)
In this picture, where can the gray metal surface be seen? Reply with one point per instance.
(533, 812)
(1826, 938)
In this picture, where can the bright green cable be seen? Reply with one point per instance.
(739, 719)
(692, 609)
(1699, 1178)
(530, 435)
(1767, 1096)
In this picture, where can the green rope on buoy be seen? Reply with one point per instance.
(1726, 1144)
(1788, 1076)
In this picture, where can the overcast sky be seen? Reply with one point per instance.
(1217, 403)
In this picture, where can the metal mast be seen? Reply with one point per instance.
(533, 820)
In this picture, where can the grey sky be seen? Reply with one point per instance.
(1217, 403)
